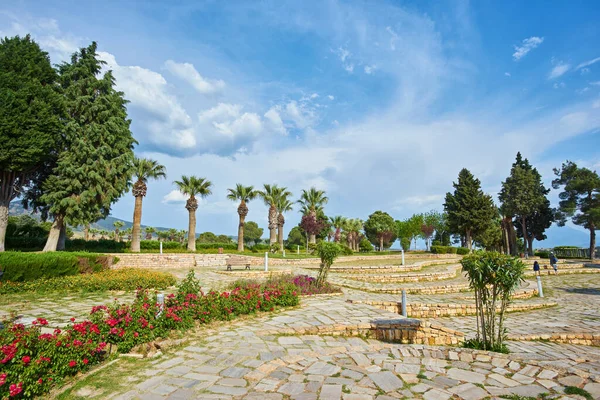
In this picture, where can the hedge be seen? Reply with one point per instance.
(225, 246)
(23, 267)
(155, 245)
(449, 250)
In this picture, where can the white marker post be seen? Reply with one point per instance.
(160, 247)
(402, 256)
(160, 299)
(298, 251)
(539, 283)
(404, 314)
(266, 261)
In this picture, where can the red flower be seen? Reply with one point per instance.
(2, 379)
(15, 389)
(135, 334)
(72, 319)
(86, 361)
(72, 364)
(40, 381)
(42, 321)
(26, 360)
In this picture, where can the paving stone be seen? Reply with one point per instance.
(233, 391)
(436, 394)
(386, 381)
(466, 376)
(407, 368)
(232, 382)
(547, 374)
(571, 380)
(235, 372)
(503, 380)
(355, 396)
(163, 389)
(289, 340)
(323, 368)
(182, 394)
(528, 390)
(291, 388)
(468, 391)
(594, 389)
(331, 392)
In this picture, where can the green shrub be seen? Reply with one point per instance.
(209, 246)
(328, 251)
(23, 243)
(155, 245)
(451, 250)
(438, 249)
(365, 246)
(114, 279)
(274, 248)
(462, 251)
(23, 267)
(542, 253)
(346, 250)
(565, 247)
(97, 246)
(260, 247)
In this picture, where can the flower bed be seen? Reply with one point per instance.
(121, 279)
(306, 285)
(31, 362)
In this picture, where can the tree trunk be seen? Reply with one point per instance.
(524, 232)
(468, 240)
(53, 237)
(137, 225)
(62, 238)
(280, 237)
(313, 238)
(86, 232)
(530, 245)
(241, 233)
(381, 243)
(592, 242)
(192, 231)
(3, 222)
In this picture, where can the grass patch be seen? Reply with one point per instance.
(479, 345)
(578, 391)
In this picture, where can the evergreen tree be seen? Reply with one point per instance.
(523, 194)
(31, 113)
(580, 198)
(252, 232)
(381, 229)
(470, 211)
(94, 168)
(536, 224)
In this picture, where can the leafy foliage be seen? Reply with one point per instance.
(494, 277)
(328, 251)
(380, 229)
(365, 246)
(252, 232)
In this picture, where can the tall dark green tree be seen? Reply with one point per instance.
(252, 232)
(380, 229)
(470, 211)
(580, 198)
(94, 167)
(31, 112)
(523, 195)
(536, 224)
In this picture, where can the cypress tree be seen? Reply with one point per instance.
(94, 168)
(31, 111)
(580, 198)
(523, 197)
(470, 211)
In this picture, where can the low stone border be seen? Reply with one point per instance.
(422, 310)
(255, 274)
(588, 339)
(414, 331)
(566, 271)
(418, 290)
(399, 278)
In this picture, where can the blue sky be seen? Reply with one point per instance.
(379, 103)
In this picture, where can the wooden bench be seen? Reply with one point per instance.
(237, 260)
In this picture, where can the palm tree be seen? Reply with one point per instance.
(193, 186)
(103, 234)
(149, 231)
(162, 235)
(181, 235)
(352, 228)
(243, 194)
(118, 225)
(312, 201)
(144, 169)
(284, 204)
(127, 232)
(269, 196)
(172, 235)
(338, 223)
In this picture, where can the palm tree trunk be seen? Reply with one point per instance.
(54, 235)
(280, 237)
(137, 222)
(3, 222)
(192, 231)
(241, 234)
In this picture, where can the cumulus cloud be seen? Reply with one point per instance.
(507, 74)
(330, 97)
(369, 69)
(559, 70)
(189, 74)
(167, 122)
(175, 196)
(526, 46)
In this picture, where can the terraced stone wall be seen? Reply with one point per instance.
(414, 331)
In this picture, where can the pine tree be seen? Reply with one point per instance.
(95, 167)
(31, 112)
(523, 195)
(580, 198)
(470, 211)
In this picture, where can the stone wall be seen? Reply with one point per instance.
(421, 310)
(414, 331)
(588, 339)
(424, 289)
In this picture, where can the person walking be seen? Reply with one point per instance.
(536, 268)
(554, 263)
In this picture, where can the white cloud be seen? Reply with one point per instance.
(314, 96)
(188, 73)
(394, 37)
(559, 70)
(596, 104)
(582, 91)
(167, 123)
(525, 47)
(273, 118)
(507, 74)
(588, 63)
(174, 196)
(369, 69)
(301, 115)
(585, 71)
(596, 83)
(558, 85)
(330, 97)
(343, 54)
